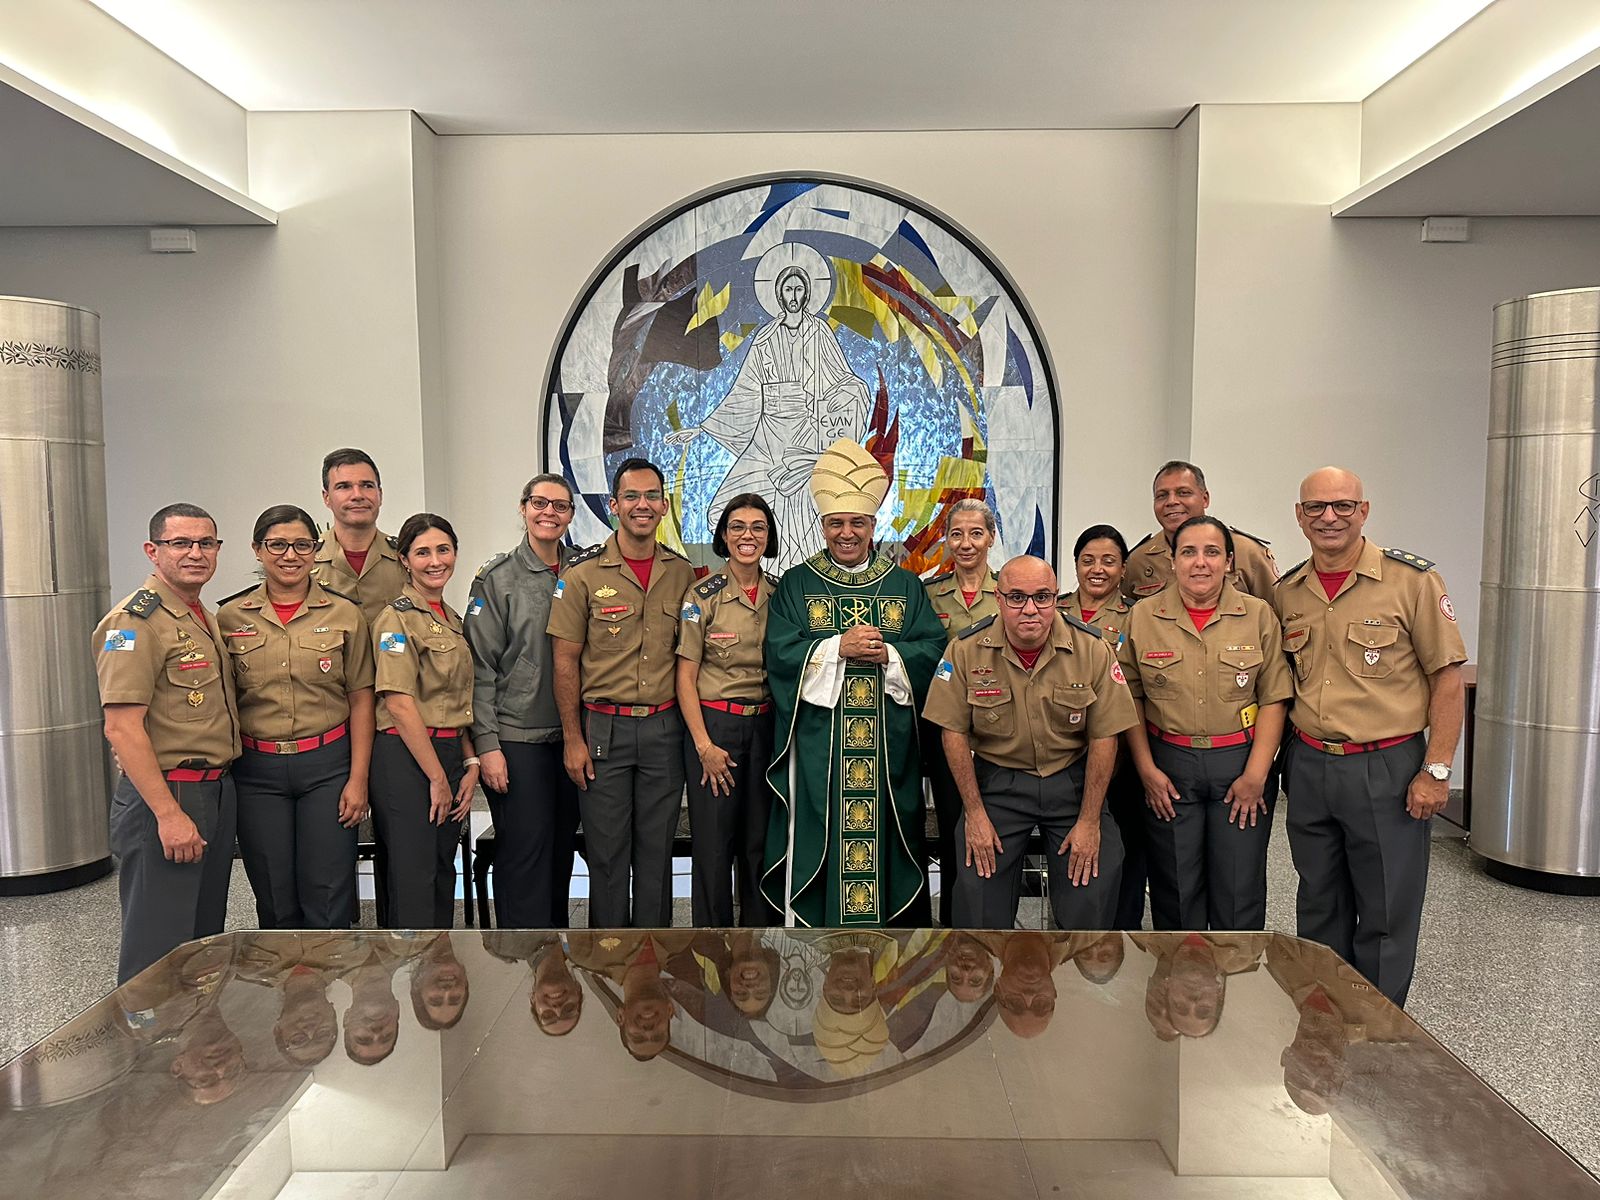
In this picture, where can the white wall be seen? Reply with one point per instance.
(229, 372)
(1350, 341)
(1082, 221)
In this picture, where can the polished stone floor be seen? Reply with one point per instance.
(1506, 978)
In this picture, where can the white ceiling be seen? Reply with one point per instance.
(641, 66)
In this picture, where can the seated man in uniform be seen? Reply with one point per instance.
(851, 644)
(1031, 711)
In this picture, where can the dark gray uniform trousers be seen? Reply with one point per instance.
(300, 860)
(1016, 802)
(947, 815)
(1204, 872)
(729, 831)
(1125, 799)
(1362, 859)
(165, 904)
(630, 816)
(421, 880)
(535, 832)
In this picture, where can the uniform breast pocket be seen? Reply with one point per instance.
(1297, 645)
(1069, 709)
(447, 662)
(608, 619)
(323, 653)
(248, 666)
(1158, 671)
(194, 689)
(1370, 650)
(721, 643)
(993, 714)
(1236, 673)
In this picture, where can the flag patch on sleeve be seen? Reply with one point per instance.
(392, 643)
(691, 613)
(944, 670)
(119, 639)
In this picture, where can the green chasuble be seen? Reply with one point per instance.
(844, 846)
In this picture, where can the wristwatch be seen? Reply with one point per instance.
(1440, 771)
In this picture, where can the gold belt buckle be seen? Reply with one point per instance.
(1200, 743)
(1333, 747)
(287, 748)
(638, 710)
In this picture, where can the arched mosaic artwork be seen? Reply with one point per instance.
(733, 338)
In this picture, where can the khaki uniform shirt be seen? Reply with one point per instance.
(628, 634)
(719, 628)
(1150, 566)
(425, 658)
(382, 577)
(1362, 658)
(1111, 618)
(294, 681)
(944, 593)
(1199, 684)
(151, 650)
(1038, 721)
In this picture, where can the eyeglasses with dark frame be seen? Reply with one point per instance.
(184, 545)
(1342, 508)
(278, 547)
(1041, 600)
(540, 503)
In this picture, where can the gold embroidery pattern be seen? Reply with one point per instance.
(860, 733)
(854, 611)
(891, 615)
(861, 899)
(819, 612)
(858, 856)
(858, 816)
(860, 774)
(861, 692)
(874, 569)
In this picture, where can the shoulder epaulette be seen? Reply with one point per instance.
(1141, 541)
(1260, 541)
(338, 593)
(976, 627)
(492, 564)
(583, 556)
(394, 542)
(1410, 559)
(941, 576)
(143, 603)
(242, 592)
(402, 604)
(670, 552)
(1076, 623)
(711, 586)
(1293, 571)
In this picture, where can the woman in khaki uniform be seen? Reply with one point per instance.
(1100, 557)
(301, 659)
(728, 717)
(1205, 663)
(961, 596)
(424, 771)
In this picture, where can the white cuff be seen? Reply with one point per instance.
(895, 680)
(822, 679)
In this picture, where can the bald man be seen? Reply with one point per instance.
(1377, 712)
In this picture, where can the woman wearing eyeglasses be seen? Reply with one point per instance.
(301, 657)
(1205, 663)
(424, 770)
(728, 716)
(515, 725)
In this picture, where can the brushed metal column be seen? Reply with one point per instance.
(1536, 775)
(54, 586)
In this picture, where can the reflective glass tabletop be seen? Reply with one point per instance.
(713, 1063)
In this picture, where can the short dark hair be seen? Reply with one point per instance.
(158, 523)
(545, 477)
(635, 464)
(1173, 466)
(283, 514)
(348, 456)
(719, 539)
(1094, 533)
(1212, 522)
(418, 524)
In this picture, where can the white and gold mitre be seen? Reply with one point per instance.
(847, 479)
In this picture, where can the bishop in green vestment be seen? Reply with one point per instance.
(851, 647)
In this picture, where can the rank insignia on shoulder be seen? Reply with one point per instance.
(976, 627)
(690, 613)
(491, 564)
(143, 603)
(944, 670)
(583, 556)
(941, 577)
(711, 586)
(474, 606)
(394, 542)
(402, 604)
(1078, 622)
(119, 639)
(1258, 540)
(1293, 571)
(392, 643)
(1410, 559)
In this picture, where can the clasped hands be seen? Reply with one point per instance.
(864, 643)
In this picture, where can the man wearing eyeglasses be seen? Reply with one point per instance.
(171, 718)
(357, 559)
(1377, 712)
(614, 621)
(1179, 492)
(1031, 711)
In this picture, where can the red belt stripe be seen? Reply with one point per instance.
(1352, 747)
(296, 747)
(1215, 742)
(629, 710)
(738, 709)
(432, 732)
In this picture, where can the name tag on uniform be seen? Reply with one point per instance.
(611, 608)
(1157, 655)
(193, 666)
(988, 691)
(723, 637)
(120, 639)
(392, 643)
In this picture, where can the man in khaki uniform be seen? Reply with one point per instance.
(1179, 492)
(357, 559)
(614, 618)
(1031, 711)
(1377, 660)
(171, 718)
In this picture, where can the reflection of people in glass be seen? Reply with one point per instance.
(307, 1028)
(752, 974)
(372, 1022)
(848, 1024)
(1025, 989)
(1185, 994)
(794, 395)
(556, 1000)
(439, 990)
(968, 968)
(1101, 959)
(645, 1018)
(210, 1059)
(300, 966)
